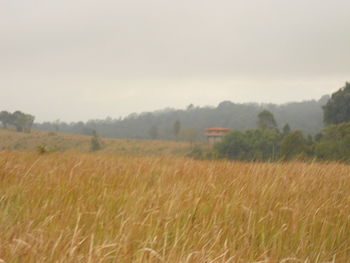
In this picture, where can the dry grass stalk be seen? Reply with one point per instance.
(74, 207)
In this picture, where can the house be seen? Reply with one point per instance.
(215, 134)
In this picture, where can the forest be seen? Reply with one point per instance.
(306, 116)
(259, 132)
(268, 143)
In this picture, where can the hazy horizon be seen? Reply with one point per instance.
(165, 108)
(79, 60)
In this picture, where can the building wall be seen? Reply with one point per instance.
(214, 139)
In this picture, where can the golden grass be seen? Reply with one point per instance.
(75, 207)
(58, 141)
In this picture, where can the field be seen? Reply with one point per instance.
(102, 207)
(58, 141)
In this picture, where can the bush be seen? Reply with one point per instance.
(196, 153)
(95, 144)
(260, 144)
(42, 149)
(292, 145)
(334, 143)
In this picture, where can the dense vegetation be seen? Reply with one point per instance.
(23, 122)
(306, 116)
(337, 109)
(74, 207)
(274, 138)
(268, 143)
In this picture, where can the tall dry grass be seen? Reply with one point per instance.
(73, 207)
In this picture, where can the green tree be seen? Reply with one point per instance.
(23, 122)
(56, 124)
(95, 143)
(29, 120)
(293, 144)
(176, 128)
(337, 110)
(264, 144)
(266, 120)
(234, 146)
(252, 145)
(18, 120)
(5, 118)
(334, 144)
(286, 129)
(190, 107)
(190, 134)
(153, 132)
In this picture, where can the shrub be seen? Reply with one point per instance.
(334, 143)
(196, 153)
(292, 145)
(95, 144)
(42, 149)
(260, 144)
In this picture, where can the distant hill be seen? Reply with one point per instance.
(306, 116)
(58, 141)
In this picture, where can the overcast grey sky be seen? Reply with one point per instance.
(81, 59)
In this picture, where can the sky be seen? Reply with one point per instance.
(86, 59)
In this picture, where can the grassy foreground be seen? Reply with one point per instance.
(76, 207)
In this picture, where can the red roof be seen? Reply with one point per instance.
(217, 129)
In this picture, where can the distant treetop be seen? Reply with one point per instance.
(337, 109)
(266, 120)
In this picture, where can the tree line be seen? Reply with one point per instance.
(23, 122)
(274, 138)
(268, 143)
(305, 116)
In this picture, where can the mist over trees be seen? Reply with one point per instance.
(266, 120)
(266, 143)
(337, 109)
(189, 123)
(95, 143)
(260, 132)
(23, 122)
